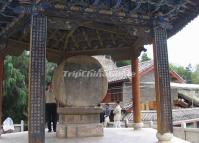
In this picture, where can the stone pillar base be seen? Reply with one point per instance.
(138, 126)
(79, 122)
(164, 138)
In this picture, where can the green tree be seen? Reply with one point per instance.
(22, 64)
(195, 75)
(184, 72)
(189, 73)
(50, 67)
(123, 63)
(15, 99)
(145, 57)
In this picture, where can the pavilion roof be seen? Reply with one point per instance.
(92, 27)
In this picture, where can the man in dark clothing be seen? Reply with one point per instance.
(107, 113)
(51, 108)
(101, 114)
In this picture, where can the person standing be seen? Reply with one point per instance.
(101, 114)
(107, 113)
(117, 115)
(51, 108)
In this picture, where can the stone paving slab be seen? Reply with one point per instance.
(111, 135)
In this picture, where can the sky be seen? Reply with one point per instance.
(183, 48)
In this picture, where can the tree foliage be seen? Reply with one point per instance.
(145, 57)
(15, 99)
(184, 72)
(49, 71)
(195, 75)
(123, 63)
(15, 96)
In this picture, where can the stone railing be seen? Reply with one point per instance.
(188, 134)
(147, 124)
(19, 127)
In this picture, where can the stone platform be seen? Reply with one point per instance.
(111, 135)
(79, 122)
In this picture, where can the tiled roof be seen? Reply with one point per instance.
(115, 73)
(106, 62)
(178, 115)
(120, 73)
(144, 65)
(123, 73)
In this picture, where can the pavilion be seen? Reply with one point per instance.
(58, 29)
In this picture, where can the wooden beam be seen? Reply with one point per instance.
(70, 34)
(14, 25)
(93, 17)
(136, 94)
(105, 27)
(60, 39)
(15, 48)
(53, 55)
(53, 34)
(136, 91)
(122, 30)
(116, 53)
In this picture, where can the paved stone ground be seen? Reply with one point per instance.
(111, 135)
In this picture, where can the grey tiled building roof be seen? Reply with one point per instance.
(178, 115)
(115, 73)
(118, 74)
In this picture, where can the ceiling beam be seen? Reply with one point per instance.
(15, 48)
(102, 18)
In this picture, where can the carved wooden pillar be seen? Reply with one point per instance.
(162, 84)
(136, 94)
(37, 79)
(1, 87)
